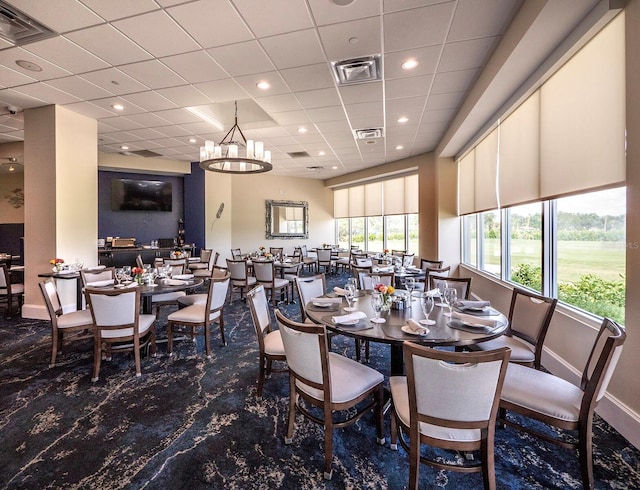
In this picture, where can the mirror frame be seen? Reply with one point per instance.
(271, 234)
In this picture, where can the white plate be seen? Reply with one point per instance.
(183, 276)
(474, 325)
(406, 329)
(322, 305)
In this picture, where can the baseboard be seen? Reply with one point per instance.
(36, 312)
(616, 413)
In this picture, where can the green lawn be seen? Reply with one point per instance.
(575, 259)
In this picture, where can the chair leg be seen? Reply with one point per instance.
(221, 324)
(379, 411)
(169, 337)
(393, 439)
(97, 357)
(54, 349)
(136, 355)
(414, 461)
(585, 452)
(328, 443)
(487, 460)
(207, 339)
(292, 410)
(261, 375)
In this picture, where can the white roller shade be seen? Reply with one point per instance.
(466, 184)
(519, 178)
(411, 191)
(394, 196)
(582, 118)
(356, 201)
(341, 203)
(486, 163)
(373, 199)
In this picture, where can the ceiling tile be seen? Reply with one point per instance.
(11, 78)
(66, 54)
(307, 49)
(322, 114)
(149, 101)
(293, 117)
(250, 84)
(473, 19)
(453, 81)
(50, 94)
(9, 57)
(115, 81)
(109, 44)
(147, 120)
(90, 110)
(195, 67)
(185, 96)
(466, 54)
(161, 35)
(406, 105)
(323, 97)
(364, 109)
(119, 9)
(153, 74)
(450, 100)
(427, 58)
(211, 22)
(417, 27)
(10, 96)
(122, 123)
(365, 92)
(308, 77)
(274, 17)
(222, 90)
(352, 39)
(325, 12)
(79, 87)
(279, 103)
(60, 16)
(242, 58)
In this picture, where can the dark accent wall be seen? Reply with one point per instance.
(11, 239)
(194, 223)
(144, 226)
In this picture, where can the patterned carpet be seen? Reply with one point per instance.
(192, 422)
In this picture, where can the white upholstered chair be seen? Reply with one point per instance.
(240, 278)
(74, 325)
(9, 290)
(119, 325)
(196, 319)
(309, 288)
(329, 382)
(448, 400)
(552, 400)
(265, 274)
(270, 345)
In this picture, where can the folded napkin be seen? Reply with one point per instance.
(174, 282)
(327, 301)
(464, 304)
(96, 268)
(183, 276)
(433, 292)
(415, 327)
(473, 320)
(356, 315)
(100, 284)
(383, 269)
(340, 291)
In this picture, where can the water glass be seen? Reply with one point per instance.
(350, 292)
(377, 302)
(410, 284)
(426, 303)
(450, 297)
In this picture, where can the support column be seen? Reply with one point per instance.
(61, 198)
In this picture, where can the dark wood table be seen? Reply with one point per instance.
(390, 332)
(148, 291)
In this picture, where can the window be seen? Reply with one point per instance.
(524, 246)
(413, 235)
(375, 234)
(580, 260)
(357, 233)
(342, 232)
(395, 232)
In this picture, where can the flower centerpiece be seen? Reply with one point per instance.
(387, 295)
(261, 250)
(57, 264)
(137, 274)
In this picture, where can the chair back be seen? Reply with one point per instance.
(236, 254)
(462, 285)
(259, 306)
(529, 317)
(407, 260)
(601, 363)
(264, 271)
(277, 251)
(115, 312)
(309, 288)
(213, 260)
(307, 352)
(361, 261)
(441, 272)
(51, 298)
(386, 278)
(205, 255)
(303, 251)
(218, 288)
(91, 277)
(324, 256)
(237, 269)
(5, 281)
(430, 264)
(178, 266)
(459, 390)
(398, 253)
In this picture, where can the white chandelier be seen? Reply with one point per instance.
(225, 156)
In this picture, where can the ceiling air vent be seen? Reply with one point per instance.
(145, 153)
(315, 167)
(359, 70)
(18, 28)
(298, 154)
(364, 134)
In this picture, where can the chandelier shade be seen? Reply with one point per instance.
(225, 157)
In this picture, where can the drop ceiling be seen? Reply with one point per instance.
(157, 57)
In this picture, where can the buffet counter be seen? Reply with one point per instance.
(119, 257)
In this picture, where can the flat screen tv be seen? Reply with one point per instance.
(140, 195)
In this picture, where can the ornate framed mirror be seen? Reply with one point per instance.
(287, 219)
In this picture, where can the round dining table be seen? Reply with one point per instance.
(444, 332)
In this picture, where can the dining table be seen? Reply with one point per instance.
(147, 291)
(444, 332)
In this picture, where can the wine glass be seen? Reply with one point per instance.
(350, 291)
(376, 303)
(450, 297)
(410, 284)
(426, 303)
(375, 280)
(441, 285)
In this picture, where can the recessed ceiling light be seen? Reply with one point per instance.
(409, 64)
(124, 147)
(353, 40)
(335, 167)
(28, 65)
(399, 147)
(321, 153)
(403, 119)
(192, 140)
(118, 107)
(264, 85)
(302, 129)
